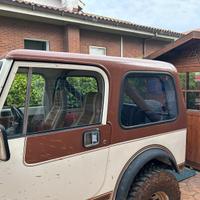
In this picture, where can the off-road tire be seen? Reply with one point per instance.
(155, 183)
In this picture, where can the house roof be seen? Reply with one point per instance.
(194, 35)
(91, 17)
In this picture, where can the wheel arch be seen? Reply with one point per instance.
(137, 163)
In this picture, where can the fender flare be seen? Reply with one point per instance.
(137, 163)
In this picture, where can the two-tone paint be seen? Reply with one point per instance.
(56, 165)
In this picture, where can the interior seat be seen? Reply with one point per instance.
(55, 117)
(91, 109)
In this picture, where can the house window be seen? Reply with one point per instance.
(93, 50)
(190, 83)
(36, 44)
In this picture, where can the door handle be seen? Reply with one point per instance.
(91, 138)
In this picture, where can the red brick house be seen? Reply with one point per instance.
(61, 25)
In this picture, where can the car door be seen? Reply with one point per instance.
(61, 152)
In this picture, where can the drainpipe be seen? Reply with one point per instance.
(143, 47)
(144, 44)
(122, 47)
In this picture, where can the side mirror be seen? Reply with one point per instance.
(4, 148)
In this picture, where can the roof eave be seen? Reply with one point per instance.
(177, 43)
(61, 17)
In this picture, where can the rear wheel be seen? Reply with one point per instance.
(155, 184)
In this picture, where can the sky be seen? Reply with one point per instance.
(175, 15)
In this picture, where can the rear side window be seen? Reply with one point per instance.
(147, 98)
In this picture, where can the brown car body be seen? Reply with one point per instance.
(60, 144)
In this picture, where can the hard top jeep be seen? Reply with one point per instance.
(80, 127)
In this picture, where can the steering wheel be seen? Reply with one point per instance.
(17, 113)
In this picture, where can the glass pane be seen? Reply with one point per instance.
(148, 98)
(35, 45)
(62, 99)
(78, 87)
(37, 90)
(17, 93)
(182, 77)
(97, 51)
(194, 80)
(193, 100)
(12, 114)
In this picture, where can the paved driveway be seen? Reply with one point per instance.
(190, 188)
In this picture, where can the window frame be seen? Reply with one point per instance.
(124, 127)
(187, 88)
(4, 73)
(31, 65)
(38, 40)
(1, 64)
(98, 47)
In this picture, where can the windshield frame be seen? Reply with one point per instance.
(4, 71)
(1, 64)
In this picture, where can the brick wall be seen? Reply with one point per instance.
(70, 38)
(153, 45)
(13, 32)
(94, 38)
(133, 47)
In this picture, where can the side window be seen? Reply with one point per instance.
(70, 99)
(147, 98)
(59, 99)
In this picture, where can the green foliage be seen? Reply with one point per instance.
(17, 93)
(193, 84)
(83, 85)
(37, 90)
(182, 77)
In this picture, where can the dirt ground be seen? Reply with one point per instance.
(190, 188)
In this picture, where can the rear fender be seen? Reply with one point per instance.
(136, 163)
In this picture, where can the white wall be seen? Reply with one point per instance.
(68, 4)
(54, 3)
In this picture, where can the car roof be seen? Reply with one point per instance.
(107, 62)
